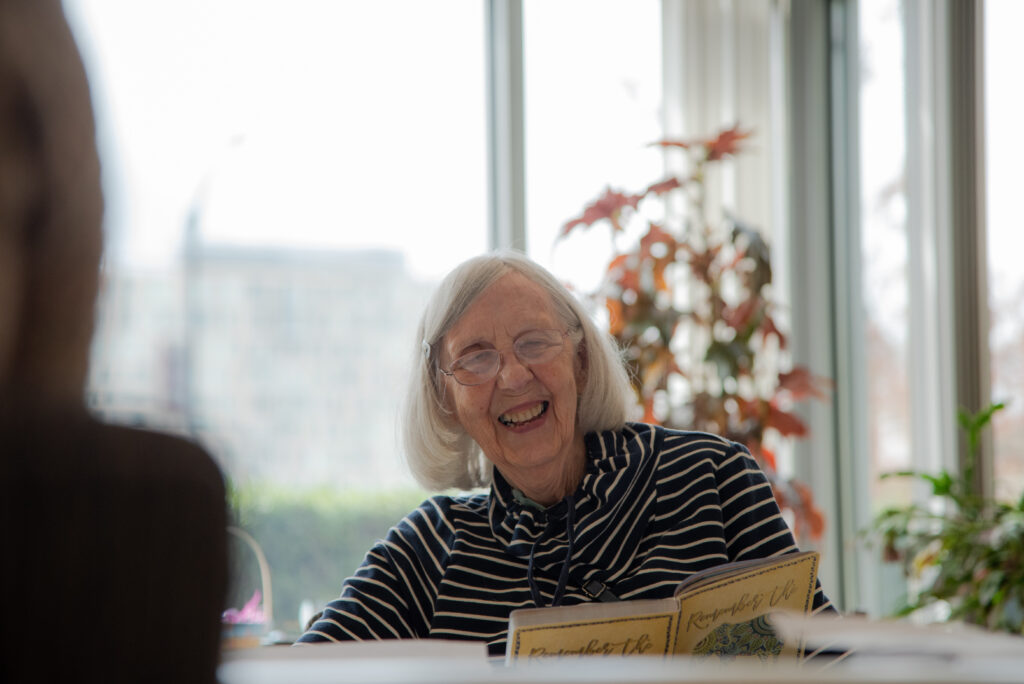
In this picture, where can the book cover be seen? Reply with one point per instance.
(719, 612)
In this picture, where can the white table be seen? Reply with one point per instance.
(428, 662)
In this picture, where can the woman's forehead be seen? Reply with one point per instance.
(510, 306)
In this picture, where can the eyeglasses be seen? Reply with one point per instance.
(533, 346)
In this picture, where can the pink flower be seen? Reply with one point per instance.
(251, 612)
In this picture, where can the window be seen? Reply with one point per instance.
(284, 186)
(593, 96)
(287, 181)
(911, 347)
(884, 244)
(1003, 104)
(890, 309)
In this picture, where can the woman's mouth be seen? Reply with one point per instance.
(520, 418)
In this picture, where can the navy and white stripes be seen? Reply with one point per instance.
(654, 506)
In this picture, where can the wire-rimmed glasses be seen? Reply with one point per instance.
(531, 347)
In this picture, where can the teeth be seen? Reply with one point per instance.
(520, 417)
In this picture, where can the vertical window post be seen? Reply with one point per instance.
(821, 259)
(965, 60)
(506, 179)
(930, 358)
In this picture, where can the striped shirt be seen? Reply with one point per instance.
(654, 506)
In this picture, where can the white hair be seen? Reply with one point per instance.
(440, 453)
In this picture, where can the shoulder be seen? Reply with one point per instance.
(446, 516)
(689, 445)
(696, 456)
(642, 441)
(69, 446)
(455, 507)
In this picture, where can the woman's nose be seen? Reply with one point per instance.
(513, 373)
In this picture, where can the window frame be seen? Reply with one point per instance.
(505, 115)
(946, 231)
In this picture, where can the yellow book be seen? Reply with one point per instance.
(722, 611)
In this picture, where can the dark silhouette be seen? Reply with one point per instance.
(113, 566)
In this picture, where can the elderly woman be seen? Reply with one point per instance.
(515, 389)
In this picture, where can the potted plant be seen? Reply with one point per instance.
(961, 551)
(688, 298)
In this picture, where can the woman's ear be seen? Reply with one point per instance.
(582, 364)
(445, 398)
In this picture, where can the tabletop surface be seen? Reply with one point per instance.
(432, 662)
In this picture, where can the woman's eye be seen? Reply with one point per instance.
(476, 360)
(530, 347)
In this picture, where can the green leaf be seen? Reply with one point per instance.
(1013, 615)
(899, 473)
(990, 589)
(982, 418)
(973, 550)
(906, 610)
(942, 484)
(728, 357)
(966, 420)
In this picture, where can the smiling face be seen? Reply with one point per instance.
(524, 418)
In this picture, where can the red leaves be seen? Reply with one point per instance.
(766, 413)
(768, 329)
(620, 273)
(785, 423)
(608, 206)
(658, 367)
(684, 144)
(738, 317)
(797, 497)
(649, 416)
(658, 251)
(616, 320)
(661, 187)
(702, 261)
(611, 204)
(801, 384)
(699, 286)
(726, 143)
(792, 495)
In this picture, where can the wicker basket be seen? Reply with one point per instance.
(236, 635)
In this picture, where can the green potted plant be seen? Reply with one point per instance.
(960, 550)
(689, 299)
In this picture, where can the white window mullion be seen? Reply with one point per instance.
(506, 178)
(822, 192)
(968, 239)
(929, 233)
(737, 62)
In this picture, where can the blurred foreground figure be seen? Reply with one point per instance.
(114, 560)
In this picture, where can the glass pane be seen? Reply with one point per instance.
(592, 89)
(284, 186)
(1004, 103)
(883, 212)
